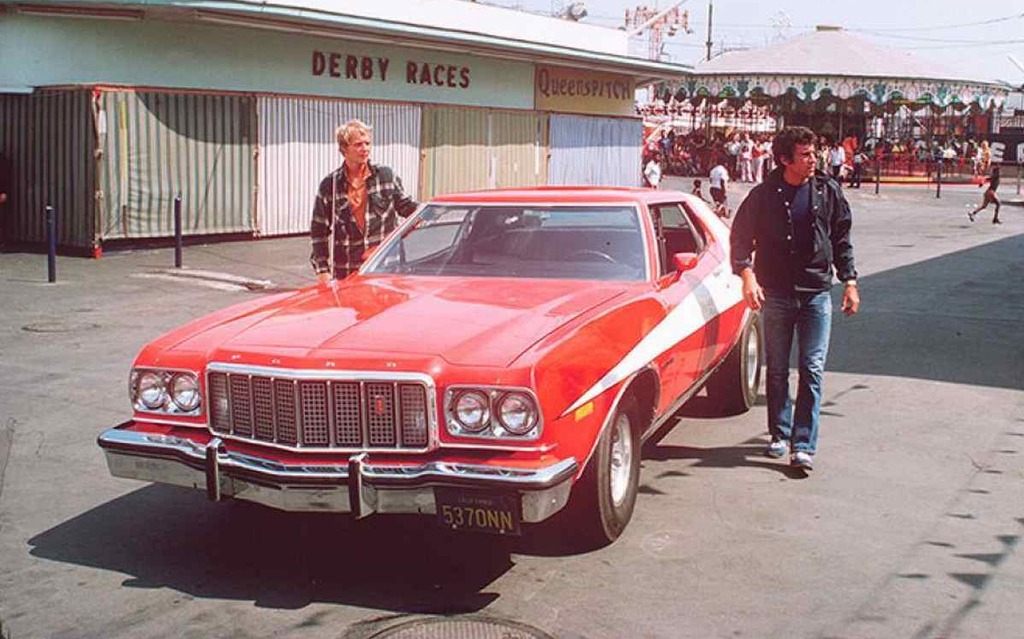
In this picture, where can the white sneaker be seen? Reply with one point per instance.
(778, 448)
(801, 459)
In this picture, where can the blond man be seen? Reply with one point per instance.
(356, 206)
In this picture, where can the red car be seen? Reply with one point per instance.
(501, 357)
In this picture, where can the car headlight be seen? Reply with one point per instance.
(472, 410)
(185, 391)
(517, 413)
(151, 390)
(165, 391)
(493, 412)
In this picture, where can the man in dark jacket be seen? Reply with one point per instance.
(798, 222)
(356, 206)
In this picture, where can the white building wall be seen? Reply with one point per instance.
(593, 151)
(297, 150)
(47, 51)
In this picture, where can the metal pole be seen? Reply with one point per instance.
(711, 11)
(938, 179)
(51, 235)
(1019, 165)
(878, 172)
(177, 231)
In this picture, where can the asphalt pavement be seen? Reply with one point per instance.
(909, 526)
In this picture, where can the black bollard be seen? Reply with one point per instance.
(938, 179)
(878, 173)
(177, 231)
(51, 236)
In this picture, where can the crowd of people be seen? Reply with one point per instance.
(696, 154)
(747, 156)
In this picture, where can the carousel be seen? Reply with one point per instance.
(841, 86)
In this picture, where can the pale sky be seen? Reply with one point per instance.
(971, 36)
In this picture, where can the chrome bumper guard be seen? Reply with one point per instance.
(360, 487)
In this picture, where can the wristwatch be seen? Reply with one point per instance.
(850, 282)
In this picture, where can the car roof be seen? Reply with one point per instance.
(557, 195)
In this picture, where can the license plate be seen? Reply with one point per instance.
(484, 512)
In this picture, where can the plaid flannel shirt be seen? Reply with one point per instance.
(385, 203)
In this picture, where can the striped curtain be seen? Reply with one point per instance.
(469, 149)
(297, 150)
(48, 138)
(593, 151)
(157, 145)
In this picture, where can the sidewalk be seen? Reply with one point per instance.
(278, 264)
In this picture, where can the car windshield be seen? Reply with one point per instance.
(562, 242)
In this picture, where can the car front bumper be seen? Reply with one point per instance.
(361, 486)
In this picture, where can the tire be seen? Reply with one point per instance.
(732, 389)
(603, 498)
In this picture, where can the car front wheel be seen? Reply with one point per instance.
(605, 495)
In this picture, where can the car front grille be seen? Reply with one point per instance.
(343, 411)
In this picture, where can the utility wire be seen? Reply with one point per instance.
(945, 40)
(948, 26)
(992, 43)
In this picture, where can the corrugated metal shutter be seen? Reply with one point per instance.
(520, 146)
(471, 149)
(455, 149)
(595, 151)
(48, 137)
(297, 150)
(14, 144)
(159, 144)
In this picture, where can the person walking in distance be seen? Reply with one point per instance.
(798, 221)
(859, 160)
(746, 163)
(989, 196)
(652, 171)
(356, 206)
(719, 179)
(837, 158)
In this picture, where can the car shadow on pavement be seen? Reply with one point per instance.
(749, 454)
(166, 537)
(701, 407)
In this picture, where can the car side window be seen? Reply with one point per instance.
(695, 225)
(676, 234)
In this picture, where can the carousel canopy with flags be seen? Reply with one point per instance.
(830, 62)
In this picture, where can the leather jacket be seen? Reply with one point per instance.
(762, 237)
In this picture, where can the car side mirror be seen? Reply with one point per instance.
(684, 261)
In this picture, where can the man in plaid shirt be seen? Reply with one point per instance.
(358, 205)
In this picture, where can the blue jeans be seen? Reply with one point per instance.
(809, 316)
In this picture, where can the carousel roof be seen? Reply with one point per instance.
(843, 65)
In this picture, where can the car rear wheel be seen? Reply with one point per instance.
(732, 388)
(605, 495)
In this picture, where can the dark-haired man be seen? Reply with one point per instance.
(798, 222)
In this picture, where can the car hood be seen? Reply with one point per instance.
(477, 322)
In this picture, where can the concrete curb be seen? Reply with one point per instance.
(215, 276)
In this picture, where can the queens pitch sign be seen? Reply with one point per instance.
(576, 91)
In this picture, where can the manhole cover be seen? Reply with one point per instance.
(461, 628)
(59, 327)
